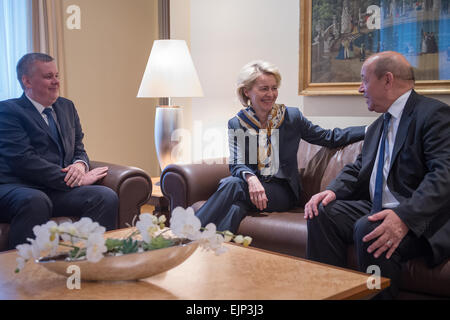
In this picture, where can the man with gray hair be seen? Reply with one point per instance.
(393, 202)
(44, 168)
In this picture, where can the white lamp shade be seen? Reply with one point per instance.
(170, 72)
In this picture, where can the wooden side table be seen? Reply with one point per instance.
(157, 199)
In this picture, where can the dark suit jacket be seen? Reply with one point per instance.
(28, 153)
(294, 128)
(420, 171)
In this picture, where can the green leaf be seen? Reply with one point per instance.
(130, 246)
(114, 245)
(77, 252)
(158, 243)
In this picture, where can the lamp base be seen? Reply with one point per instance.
(167, 120)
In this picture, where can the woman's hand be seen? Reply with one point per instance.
(257, 192)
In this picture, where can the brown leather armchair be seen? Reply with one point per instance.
(286, 232)
(132, 185)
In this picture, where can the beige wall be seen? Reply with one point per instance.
(223, 36)
(106, 58)
(105, 61)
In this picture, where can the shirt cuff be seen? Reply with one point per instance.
(243, 173)
(85, 164)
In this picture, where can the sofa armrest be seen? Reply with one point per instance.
(185, 184)
(132, 185)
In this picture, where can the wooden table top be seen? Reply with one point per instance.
(239, 274)
(156, 191)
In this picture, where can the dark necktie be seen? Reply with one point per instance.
(54, 132)
(378, 193)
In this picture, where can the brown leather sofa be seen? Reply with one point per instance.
(286, 232)
(132, 185)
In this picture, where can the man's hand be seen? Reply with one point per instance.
(75, 173)
(257, 192)
(389, 233)
(311, 207)
(94, 175)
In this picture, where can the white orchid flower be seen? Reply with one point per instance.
(211, 240)
(228, 235)
(47, 237)
(68, 232)
(95, 247)
(147, 226)
(215, 243)
(185, 224)
(86, 226)
(26, 252)
(247, 240)
(239, 239)
(162, 219)
(90, 235)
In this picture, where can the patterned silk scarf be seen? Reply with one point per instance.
(249, 120)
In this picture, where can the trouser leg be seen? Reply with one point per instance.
(342, 223)
(330, 233)
(99, 203)
(280, 196)
(23, 208)
(231, 202)
(227, 206)
(391, 268)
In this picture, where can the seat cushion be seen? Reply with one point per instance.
(418, 277)
(284, 232)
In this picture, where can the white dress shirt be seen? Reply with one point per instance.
(396, 111)
(40, 108)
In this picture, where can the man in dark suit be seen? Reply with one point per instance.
(393, 203)
(44, 168)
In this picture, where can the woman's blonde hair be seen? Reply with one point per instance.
(248, 75)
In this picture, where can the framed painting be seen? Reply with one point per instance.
(337, 36)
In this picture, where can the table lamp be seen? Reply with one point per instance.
(170, 73)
